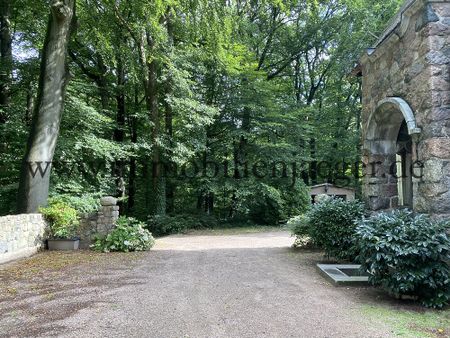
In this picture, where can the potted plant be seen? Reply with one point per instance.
(64, 223)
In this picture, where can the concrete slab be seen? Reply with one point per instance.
(343, 274)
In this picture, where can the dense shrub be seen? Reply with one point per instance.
(129, 235)
(297, 200)
(269, 205)
(162, 225)
(266, 206)
(83, 204)
(405, 253)
(63, 220)
(299, 226)
(330, 224)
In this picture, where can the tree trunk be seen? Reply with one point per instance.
(168, 110)
(102, 83)
(158, 198)
(119, 132)
(170, 186)
(133, 166)
(240, 156)
(36, 166)
(313, 165)
(6, 59)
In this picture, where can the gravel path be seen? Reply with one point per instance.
(250, 285)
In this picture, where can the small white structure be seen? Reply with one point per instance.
(347, 194)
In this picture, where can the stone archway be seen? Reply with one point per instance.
(389, 152)
(409, 58)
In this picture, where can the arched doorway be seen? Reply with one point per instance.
(389, 151)
(404, 167)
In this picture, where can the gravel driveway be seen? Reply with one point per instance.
(249, 285)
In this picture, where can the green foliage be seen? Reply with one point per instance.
(269, 202)
(300, 227)
(246, 81)
(162, 225)
(331, 226)
(129, 235)
(85, 203)
(407, 254)
(296, 198)
(267, 205)
(63, 220)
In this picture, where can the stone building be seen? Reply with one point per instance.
(406, 111)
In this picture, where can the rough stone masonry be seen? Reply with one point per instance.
(406, 86)
(21, 236)
(100, 222)
(24, 235)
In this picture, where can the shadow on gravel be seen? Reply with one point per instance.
(260, 273)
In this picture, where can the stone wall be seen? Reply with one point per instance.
(411, 62)
(24, 235)
(100, 222)
(21, 236)
(433, 191)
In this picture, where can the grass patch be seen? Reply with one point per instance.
(407, 323)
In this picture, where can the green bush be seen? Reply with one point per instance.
(83, 204)
(266, 205)
(406, 254)
(300, 227)
(207, 222)
(332, 224)
(162, 225)
(296, 198)
(63, 220)
(269, 205)
(129, 235)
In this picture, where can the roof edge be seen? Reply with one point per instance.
(395, 21)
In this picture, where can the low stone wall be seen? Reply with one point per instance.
(21, 236)
(24, 235)
(98, 223)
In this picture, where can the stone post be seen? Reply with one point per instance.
(99, 223)
(107, 215)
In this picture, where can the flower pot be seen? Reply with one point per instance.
(63, 244)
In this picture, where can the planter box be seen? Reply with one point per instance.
(63, 244)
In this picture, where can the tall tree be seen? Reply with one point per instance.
(6, 58)
(36, 166)
(194, 80)
(147, 43)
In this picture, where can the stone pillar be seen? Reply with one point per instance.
(433, 189)
(99, 223)
(107, 215)
(434, 186)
